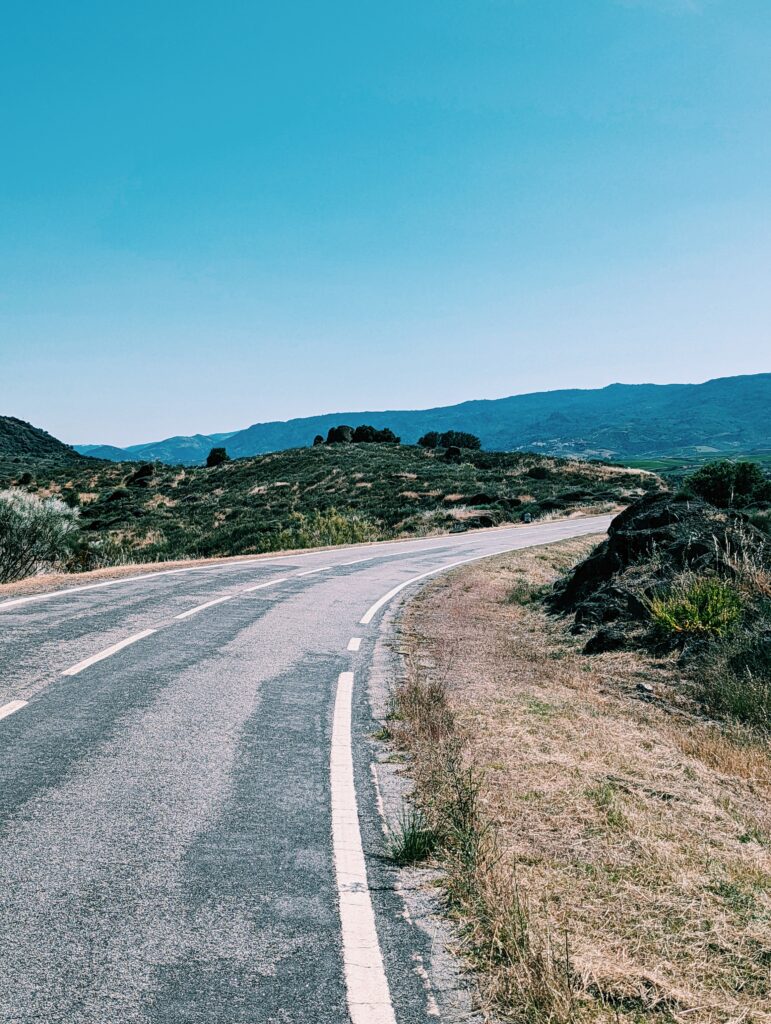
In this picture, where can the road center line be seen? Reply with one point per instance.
(108, 652)
(354, 643)
(206, 604)
(11, 706)
(310, 572)
(261, 586)
(369, 998)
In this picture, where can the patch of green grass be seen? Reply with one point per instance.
(701, 606)
(525, 593)
(606, 798)
(414, 841)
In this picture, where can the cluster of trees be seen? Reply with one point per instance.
(730, 484)
(355, 435)
(216, 457)
(450, 439)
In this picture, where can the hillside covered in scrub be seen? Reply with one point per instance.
(20, 440)
(304, 497)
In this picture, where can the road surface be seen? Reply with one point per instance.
(188, 825)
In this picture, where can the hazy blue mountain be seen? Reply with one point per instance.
(621, 421)
(105, 451)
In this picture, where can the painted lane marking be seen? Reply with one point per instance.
(261, 586)
(11, 706)
(73, 671)
(207, 604)
(369, 998)
(354, 643)
(310, 572)
(13, 602)
(371, 612)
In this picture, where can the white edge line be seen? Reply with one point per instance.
(11, 706)
(206, 604)
(371, 612)
(354, 643)
(369, 998)
(73, 671)
(14, 602)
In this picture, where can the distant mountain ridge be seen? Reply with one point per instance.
(620, 421)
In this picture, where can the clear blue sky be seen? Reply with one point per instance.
(213, 214)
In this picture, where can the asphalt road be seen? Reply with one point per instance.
(188, 827)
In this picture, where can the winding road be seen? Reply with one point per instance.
(189, 827)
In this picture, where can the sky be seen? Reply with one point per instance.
(215, 214)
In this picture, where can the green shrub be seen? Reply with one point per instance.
(730, 484)
(35, 534)
(735, 681)
(699, 606)
(323, 529)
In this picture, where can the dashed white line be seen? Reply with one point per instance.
(358, 561)
(310, 572)
(354, 643)
(73, 671)
(11, 706)
(207, 604)
(369, 998)
(261, 586)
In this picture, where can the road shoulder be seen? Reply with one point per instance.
(604, 849)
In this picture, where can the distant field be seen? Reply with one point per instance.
(680, 466)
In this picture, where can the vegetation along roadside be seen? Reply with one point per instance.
(604, 829)
(325, 494)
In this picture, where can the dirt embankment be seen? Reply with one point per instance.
(607, 849)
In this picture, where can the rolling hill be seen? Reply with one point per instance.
(20, 440)
(622, 421)
(304, 497)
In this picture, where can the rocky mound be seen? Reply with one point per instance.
(649, 544)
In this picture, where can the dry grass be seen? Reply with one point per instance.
(621, 868)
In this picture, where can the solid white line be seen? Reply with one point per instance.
(108, 652)
(310, 572)
(367, 618)
(207, 604)
(261, 586)
(354, 643)
(369, 998)
(14, 705)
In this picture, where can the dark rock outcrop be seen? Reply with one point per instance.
(648, 545)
